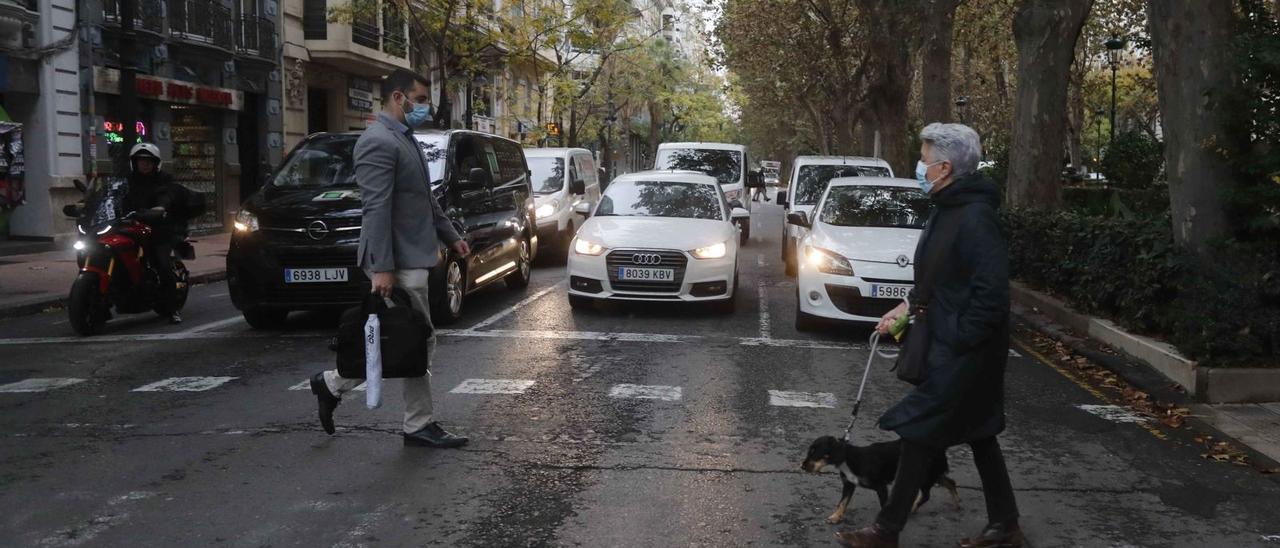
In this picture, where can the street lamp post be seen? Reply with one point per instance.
(1097, 152)
(608, 140)
(961, 102)
(1114, 48)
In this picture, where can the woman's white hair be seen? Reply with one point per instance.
(955, 143)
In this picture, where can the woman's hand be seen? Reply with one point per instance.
(890, 317)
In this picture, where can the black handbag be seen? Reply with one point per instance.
(404, 338)
(913, 359)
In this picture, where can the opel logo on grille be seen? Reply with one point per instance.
(903, 261)
(646, 258)
(317, 230)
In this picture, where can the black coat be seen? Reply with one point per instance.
(962, 399)
(159, 190)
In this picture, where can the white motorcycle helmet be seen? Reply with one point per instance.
(144, 150)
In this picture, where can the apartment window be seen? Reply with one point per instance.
(393, 32)
(315, 23)
(364, 26)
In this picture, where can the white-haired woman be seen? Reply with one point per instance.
(962, 277)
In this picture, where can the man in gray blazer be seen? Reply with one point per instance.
(401, 232)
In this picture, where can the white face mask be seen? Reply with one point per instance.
(922, 174)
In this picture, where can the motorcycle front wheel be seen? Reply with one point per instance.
(85, 306)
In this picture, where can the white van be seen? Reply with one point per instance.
(562, 177)
(809, 178)
(728, 163)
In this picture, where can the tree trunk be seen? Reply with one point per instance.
(1192, 84)
(655, 127)
(892, 40)
(1045, 32)
(935, 61)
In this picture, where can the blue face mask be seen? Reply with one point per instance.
(922, 170)
(419, 116)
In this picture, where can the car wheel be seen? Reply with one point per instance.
(453, 289)
(265, 318)
(578, 302)
(789, 265)
(520, 278)
(745, 231)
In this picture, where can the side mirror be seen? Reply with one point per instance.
(80, 185)
(582, 208)
(477, 178)
(739, 213)
(782, 198)
(798, 218)
(577, 186)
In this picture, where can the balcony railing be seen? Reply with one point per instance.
(256, 36)
(365, 34)
(148, 14)
(206, 21)
(395, 45)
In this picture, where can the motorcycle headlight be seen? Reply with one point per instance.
(79, 245)
(587, 247)
(546, 210)
(713, 251)
(246, 222)
(828, 262)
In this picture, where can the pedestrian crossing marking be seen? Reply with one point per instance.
(306, 385)
(38, 385)
(788, 398)
(1014, 353)
(184, 384)
(645, 392)
(492, 386)
(1113, 413)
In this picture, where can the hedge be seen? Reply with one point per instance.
(1106, 201)
(1222, 311)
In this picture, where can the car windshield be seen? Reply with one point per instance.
(548, 174)
(724, 165)
(322, 161)
(878, 206)
(661, 199)
(813, 179)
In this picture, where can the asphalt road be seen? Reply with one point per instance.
(112, 459)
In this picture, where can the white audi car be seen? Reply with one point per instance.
(857, 257)
(657, 236)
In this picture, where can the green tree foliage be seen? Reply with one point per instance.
(1254, 202)
(1134, 160)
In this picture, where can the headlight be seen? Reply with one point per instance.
(828, 262)
(713, 251)
(585, 247)
(79, 245)
(246, 222)
(731, 195)
(546, 210)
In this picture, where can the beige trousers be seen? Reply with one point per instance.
(417, 391)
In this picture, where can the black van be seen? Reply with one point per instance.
(295, 240)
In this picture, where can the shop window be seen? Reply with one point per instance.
(195, 133)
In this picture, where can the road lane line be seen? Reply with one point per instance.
(38, 385)
(1113, 413)
(524, 302)
(580, 335)
(788, 398)
(764, 312)
(216, 295)
(184, 384)
(215, 325)
(492, 386)
(760, 262)
(646, 392)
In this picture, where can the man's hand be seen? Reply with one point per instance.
(891, 316)
(461, 248)
(383, 283)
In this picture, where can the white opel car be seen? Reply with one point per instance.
(857, 258)
(657, 236)
(809, 178)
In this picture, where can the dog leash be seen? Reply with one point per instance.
(857, 404)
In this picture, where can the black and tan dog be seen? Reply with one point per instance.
(873, 467)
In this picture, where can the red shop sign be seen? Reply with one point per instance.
(213, 96)
(179, 92)
(149, 87)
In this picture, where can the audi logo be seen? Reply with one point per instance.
(317, 230)
(646, 258)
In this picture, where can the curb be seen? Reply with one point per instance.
(1208, 385)
(39, 304)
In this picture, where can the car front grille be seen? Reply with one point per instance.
(850, 301)
(668, 259)
(297, 231)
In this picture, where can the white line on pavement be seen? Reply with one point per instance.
(216, 295)
(760, 262)
(1014, 353)
(507, 312)
(788, 398)
(764, 312)
(645, 392)
(38, 385)
(1114, 413)
(492, 386)
(800, 343)
(215, 325)
(579, 335)
(184, 384)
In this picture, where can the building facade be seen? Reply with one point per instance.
(40, 126)
(209, 88)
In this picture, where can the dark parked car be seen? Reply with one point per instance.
(295, 240)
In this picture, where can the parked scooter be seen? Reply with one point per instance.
(113, 269)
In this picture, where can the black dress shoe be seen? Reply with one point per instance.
(997, 535)
(434, 436)
(326, 401)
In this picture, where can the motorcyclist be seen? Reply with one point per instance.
(157, 200)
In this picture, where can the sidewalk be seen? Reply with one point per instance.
(30, 283)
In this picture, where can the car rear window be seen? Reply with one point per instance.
(877, 206)
(812, 180)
